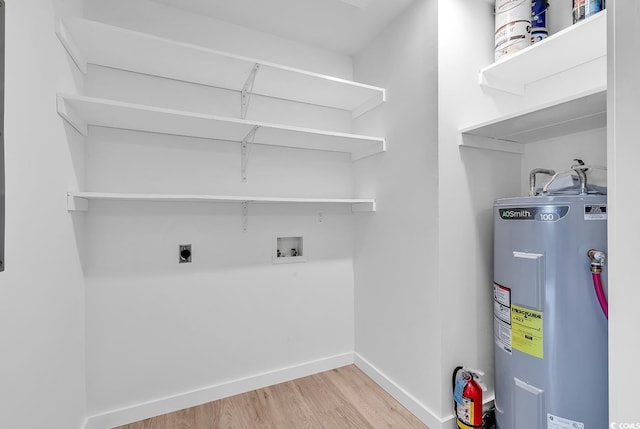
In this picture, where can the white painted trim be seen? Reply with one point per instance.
(77, 204)
(69, 44)
(410, 402)
(488, 143)
(372, 151)
(501, 84)
(367, 206)
(370, 104)
(192, 398)
(68, 114)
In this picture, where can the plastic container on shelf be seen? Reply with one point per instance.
(583, 9)
(512, 26)
(539, 29)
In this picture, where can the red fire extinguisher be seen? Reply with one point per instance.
(467, 394)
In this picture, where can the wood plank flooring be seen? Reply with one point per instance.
(343, 398)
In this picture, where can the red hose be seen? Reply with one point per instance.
(597, 285)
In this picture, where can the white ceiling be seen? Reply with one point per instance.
(343, 26)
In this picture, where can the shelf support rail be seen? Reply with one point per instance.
(247, 91)
(245, 215)
(245, 151)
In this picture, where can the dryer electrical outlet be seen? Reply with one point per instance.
(184, 253)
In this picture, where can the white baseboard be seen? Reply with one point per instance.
(192, 398)
(424, 414)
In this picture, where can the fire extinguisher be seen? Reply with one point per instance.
(467, 394)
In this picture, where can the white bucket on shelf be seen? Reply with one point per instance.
(513, 26)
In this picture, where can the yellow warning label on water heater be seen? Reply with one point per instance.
(527, 331)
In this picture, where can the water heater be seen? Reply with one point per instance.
(550, 333)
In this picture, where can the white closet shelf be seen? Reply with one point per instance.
(583, 112)
(575, 45)
(79, 201)
(91, 42)
(81, 111)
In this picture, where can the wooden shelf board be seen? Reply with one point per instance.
(578, 44)
(101, 44)
(76, 203)
(82, 111)
(562, 117)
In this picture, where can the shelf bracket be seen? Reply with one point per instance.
(77, 204)
(247, 91)
(489, 81)
(71, 116)
(69, 44)
(369, 206)
(245, 215)
(245, 151)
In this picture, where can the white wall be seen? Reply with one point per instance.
(397, 298)
(558, 154)
(623, 111)
(41, 290)
(165, 21)
(157, 329)
(470, 180)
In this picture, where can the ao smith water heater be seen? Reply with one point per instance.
(550, 323)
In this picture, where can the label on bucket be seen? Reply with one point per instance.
(538, 20)
(507, 5)
(512, 26)
(585, 8)
(514, 32)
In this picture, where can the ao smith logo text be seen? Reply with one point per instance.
(516, 213)
(541, 213)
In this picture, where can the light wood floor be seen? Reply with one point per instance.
(336, 399)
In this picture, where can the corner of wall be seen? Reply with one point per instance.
(397, 323)
(43, 326)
